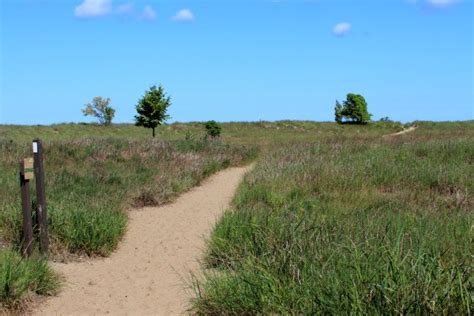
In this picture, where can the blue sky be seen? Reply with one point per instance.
(232, 60)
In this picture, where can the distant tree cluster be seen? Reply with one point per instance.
(152, 111)
(151, 108)
(353, 110)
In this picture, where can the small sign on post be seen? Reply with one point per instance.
(28, 169)
(27, 240)
(32, 168)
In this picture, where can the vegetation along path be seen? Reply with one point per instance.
(146, 275)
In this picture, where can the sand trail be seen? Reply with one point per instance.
(145, 275)
(405, 131)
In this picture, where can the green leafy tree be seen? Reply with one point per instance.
(338, 112)
(99, 108)
(152, 108)
(213, 129)
(354, 109)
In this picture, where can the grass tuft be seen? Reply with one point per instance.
(19, 278)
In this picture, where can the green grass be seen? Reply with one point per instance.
(93, 176)
(90, 182)
(20, 277)
(352, 223)
(334, 218)
(249, 133)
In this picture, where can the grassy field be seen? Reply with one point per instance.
(349, 222)
(261, 133)
(93, 175)
(334, 218)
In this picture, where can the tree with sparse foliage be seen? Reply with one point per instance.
(99, 108)
(152, 108)
(338, 112)
(353, 110)
(213, 129)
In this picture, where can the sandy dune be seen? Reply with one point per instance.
(146, 274)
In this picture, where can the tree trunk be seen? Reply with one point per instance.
(153, 132)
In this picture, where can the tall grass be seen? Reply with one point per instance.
(325, 200)
(20, 277)
(351, 224)
(90, 183)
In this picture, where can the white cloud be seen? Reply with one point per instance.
(125, 8)
(91, 8)
(341, 29)
(183, 15)
(148, 13)
(441, 3)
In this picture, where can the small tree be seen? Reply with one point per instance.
(354, 110)
(213, 129)
(99, 108)
(338, 112)
(152, 108)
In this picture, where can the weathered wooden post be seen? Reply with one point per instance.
(41, 213)
(26, 174)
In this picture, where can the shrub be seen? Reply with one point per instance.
(213, 129)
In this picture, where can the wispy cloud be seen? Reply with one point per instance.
(125, 8)
(148, 13)
(98, 8)
(341, 29)
(441, 3)
(93, 8)
(183, 15)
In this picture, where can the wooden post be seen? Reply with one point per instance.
(27, 244)
(42, 213)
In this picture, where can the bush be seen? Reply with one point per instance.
(213, 129)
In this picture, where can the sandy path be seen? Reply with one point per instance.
(405, 131)
(145, 275)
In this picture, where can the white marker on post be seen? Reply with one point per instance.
(35, 147)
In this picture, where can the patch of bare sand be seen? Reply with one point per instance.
(146, 274)
(405, 131)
